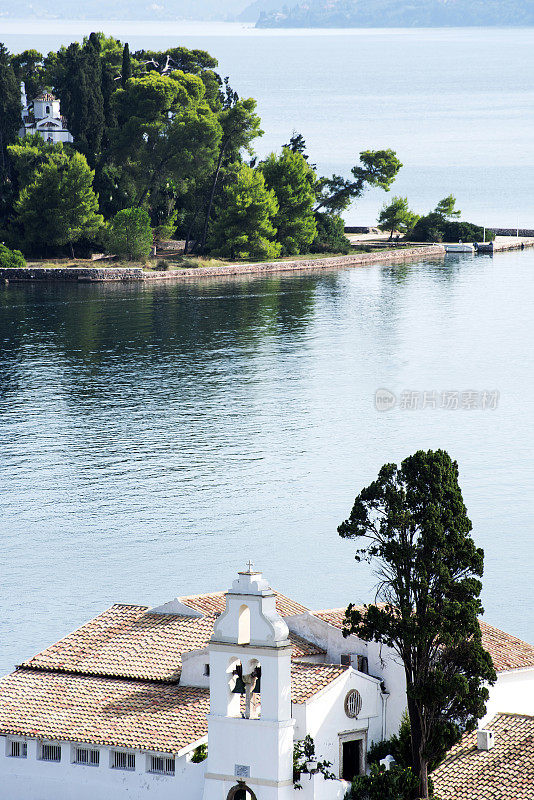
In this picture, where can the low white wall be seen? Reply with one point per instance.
(32, 779)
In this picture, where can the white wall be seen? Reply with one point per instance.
(513, 692)
(31, 779)
(384, 663)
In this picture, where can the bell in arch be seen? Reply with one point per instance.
(239, 687)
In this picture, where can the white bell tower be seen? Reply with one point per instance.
(250, 732)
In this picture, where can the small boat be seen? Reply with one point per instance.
(459, 248)
(484, 247)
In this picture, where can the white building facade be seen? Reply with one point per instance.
(126, 706)
(43, 116)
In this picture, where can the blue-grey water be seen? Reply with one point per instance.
(153, 438)
(456, 104)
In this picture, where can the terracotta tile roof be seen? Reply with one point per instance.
(507, 651)
(118, 713)
(130, 642)
(215, 603)
(302, 648)
(308, 679)
(102, 711)
(506, 772)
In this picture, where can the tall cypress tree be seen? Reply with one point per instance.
(10, 107)
(81, 95)
(126, 65)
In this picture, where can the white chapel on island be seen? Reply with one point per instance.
(43, 116)
(204, 697)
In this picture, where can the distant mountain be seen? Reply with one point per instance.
(397, 13)
(125, 9)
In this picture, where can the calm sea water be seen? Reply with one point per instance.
(456, 104)
(153, 438)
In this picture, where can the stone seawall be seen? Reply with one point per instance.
(104, 274)
(83, 274)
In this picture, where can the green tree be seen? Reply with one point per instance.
(330, 237)
(240, 125)
(126, 72)
(77, 75)
(293, 183)
(414, 527)
(396, 217)
(130, 234)
(447, 208)
(10, 109)
(167, 134)
(28, 67)
(398, 783)
(59, 207)
(377, 168)
(243, 228)
(11, 259)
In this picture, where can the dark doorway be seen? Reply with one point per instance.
(352, 759)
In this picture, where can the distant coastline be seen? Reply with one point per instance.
(395, 14)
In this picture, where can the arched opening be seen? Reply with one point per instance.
(48, 109)
(243, 631)
(241, 792)
(245, 690)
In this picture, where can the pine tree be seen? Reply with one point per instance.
(126, 71)
(396, 216)
(243, 228)
(292, 180)
(130, 234)
(59, 206)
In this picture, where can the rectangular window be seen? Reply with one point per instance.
(18, 749)
(162, 765)
(123, 760)
(344, 659)
(206, 669)
(51, 752)
(86, 755)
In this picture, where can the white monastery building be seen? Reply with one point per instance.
(124, 707)
(43, 116)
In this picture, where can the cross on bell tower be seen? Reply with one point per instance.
(250, 745)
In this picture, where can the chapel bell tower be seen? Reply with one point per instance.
(250, 730)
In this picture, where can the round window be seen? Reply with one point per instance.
(353, 703)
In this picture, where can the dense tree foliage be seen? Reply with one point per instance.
(57, 206)
(435, 228)
(130, 234)
(413, 526)
(162, 131)
(293, 183)
(330, 237)
(398, 783)
(10, 108)
(244, 226)
(11, 259)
